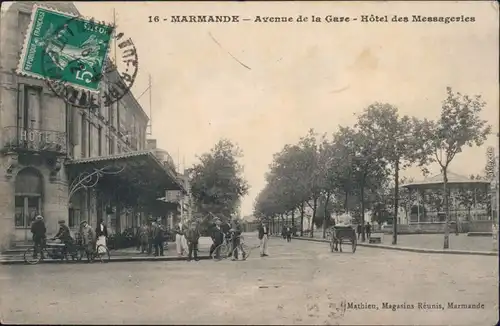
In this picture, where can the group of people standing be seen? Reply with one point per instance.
(367, 228)
(287, 231)
(88, 237)
(229, 232)
(151, 234)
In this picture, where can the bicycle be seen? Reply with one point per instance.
(245, 248)
(51, 250)
(100, 252)
(224, 249)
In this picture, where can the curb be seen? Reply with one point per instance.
(112, 260)
(419, 250)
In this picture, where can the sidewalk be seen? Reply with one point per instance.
(427, 243)
(124, 255)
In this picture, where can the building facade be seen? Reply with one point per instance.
(65, 162)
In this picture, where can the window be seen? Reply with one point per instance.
(28, 112)
(69, 129)
(90, 138)
(118, 115)
(84, 136)
(74, 217)
(28, 197)
(23, 21)
(111, 146)
(99, 141)
(111, 114)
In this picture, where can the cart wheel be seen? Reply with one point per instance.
(354, 244)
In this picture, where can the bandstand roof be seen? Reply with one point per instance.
(454, 179)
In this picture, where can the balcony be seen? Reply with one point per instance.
(33, 140)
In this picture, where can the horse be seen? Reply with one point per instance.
(341, 233)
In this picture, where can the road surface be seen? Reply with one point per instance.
(299, 283)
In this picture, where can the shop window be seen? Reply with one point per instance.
(74, 217)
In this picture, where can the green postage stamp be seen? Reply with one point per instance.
(66, 48)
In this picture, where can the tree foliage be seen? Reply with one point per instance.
(217, 184)
(459, 125)
(358, 168)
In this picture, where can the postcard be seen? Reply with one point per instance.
(249, 162)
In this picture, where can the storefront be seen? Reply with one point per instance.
(121, 189)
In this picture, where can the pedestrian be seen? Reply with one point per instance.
(217, 238)
(64, 235)
(158, 238)
(359, 229)
(88, 238)
(192, 237)
(368, 230)
(288, 233)
(263, 237)
(236, 240)
(283, 232)
(101, 233)
(143, 237)
(39, 232)
(180, 239)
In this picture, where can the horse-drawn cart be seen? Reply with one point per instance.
(340, 235)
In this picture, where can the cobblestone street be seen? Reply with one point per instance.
(299, 283)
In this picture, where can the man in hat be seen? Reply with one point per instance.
(88, 238)
(236, 240)
(39, 231)
(217, 238)
(263, 237)
(192, 236)
(65, 236)
(158, 237)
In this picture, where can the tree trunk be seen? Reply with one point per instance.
(396, 203)
(293, 217)
(325, 217)
(302, 219)
(315, 206)
(363, 212)
(446, 244)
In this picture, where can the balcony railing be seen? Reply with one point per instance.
(33, 140)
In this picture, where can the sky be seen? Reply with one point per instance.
(289, 77)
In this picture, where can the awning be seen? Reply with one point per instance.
(141, 169)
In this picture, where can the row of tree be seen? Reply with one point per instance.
(359, 167)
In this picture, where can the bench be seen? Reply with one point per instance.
(375, 240)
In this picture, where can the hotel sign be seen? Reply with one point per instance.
(34, 139)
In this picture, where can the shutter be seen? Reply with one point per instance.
(33, 97)
(21, 106)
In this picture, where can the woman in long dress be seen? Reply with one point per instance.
(101, 232)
